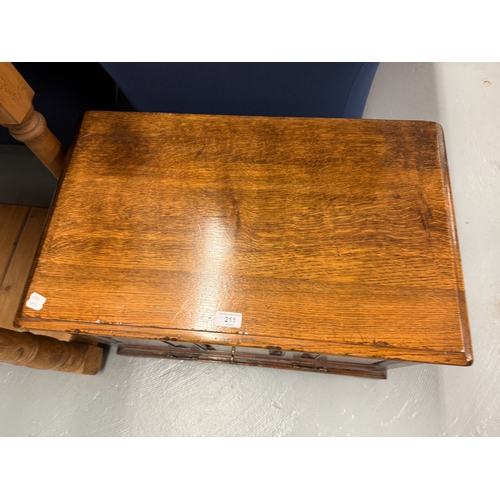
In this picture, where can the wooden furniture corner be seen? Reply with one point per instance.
(20, 230)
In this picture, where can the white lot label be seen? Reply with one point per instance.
(36, 301)
(231, 320)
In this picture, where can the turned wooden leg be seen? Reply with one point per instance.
(34, 133)
(24, 123)
(46, 353)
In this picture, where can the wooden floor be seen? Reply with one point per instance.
(20, 228)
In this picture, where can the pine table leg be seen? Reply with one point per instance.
(46, 353)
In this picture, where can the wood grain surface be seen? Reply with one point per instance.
(16, 95)
(330, 236)
(12, 221)
(20, 230)
(19, 237)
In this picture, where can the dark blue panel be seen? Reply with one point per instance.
(360, 89)
(270, 89)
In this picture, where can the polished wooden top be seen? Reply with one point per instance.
(327, 235)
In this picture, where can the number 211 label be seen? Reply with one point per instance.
(228, 319)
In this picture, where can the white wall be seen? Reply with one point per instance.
(465, 99)
(159, 397)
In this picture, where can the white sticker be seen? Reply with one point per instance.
(36, 301)
(231, 320)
